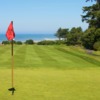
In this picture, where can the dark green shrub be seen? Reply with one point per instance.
(46, 42)
(5, 42)
(29, 42)
(19, 43)
(50, 42)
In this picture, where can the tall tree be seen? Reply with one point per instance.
(88, 38)
(92, 15)
(62, 33)
(74, 36)
(58, 33)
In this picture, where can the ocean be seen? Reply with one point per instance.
(34, 37)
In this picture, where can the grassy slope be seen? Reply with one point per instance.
(48, 80)
(48, 56)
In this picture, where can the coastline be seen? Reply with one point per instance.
(35, 37)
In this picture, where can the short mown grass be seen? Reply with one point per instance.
(48, 56)
(51, 84)
(50, 73)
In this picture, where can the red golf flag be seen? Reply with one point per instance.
(10, 34)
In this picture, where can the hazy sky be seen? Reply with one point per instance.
(41, 16)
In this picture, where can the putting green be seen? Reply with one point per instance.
(51, 84)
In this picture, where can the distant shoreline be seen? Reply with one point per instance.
(35, 37)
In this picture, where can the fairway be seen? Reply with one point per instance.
(63, 57)
(50, 73)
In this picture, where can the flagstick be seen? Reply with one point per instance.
(12, 64)
(12, 71)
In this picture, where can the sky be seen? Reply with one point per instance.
(41, 16)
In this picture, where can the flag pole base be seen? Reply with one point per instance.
(13, 90)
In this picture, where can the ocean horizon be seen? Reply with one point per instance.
(35, 37)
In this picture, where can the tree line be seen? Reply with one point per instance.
(90, 38)
(30, 41)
